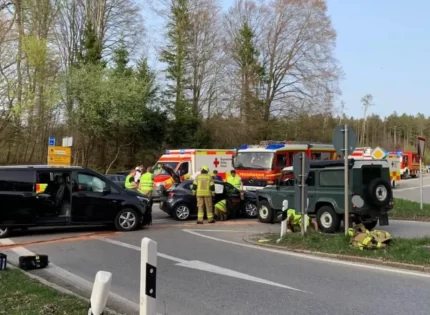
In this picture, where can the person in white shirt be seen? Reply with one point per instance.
(138, 174)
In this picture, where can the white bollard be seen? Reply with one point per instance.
(148, 277)
(284, 220)
(100, 293)
(306, 214)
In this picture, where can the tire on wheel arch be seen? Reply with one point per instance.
(328, 220)
(379, 192)
(127, 219)
(182, 212)
(264, 211)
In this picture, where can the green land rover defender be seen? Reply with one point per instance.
(371, 196)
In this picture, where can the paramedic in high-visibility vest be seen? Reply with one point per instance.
(235, 180)
(129, 180)
(294, 221)
(204, 188)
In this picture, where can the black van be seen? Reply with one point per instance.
(44, 195)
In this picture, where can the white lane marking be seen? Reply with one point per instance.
(6, 241)
(329, 260)
(410, 188)
(126, 245)
(203, 266)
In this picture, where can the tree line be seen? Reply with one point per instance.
(260, 70)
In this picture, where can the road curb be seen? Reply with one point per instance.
(59, 288)
(370, 261)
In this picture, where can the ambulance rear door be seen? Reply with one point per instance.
(395, 169)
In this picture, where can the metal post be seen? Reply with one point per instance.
(148, 277)
(421, 183)
(302, 193)
(345, 157)
(100, 293)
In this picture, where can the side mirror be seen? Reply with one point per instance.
(233, 160)
(106, 191)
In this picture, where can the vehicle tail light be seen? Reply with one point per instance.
(171, 194)
(270, 182)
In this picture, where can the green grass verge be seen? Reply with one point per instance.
(410, 210)
(21, 295)
(410, 251)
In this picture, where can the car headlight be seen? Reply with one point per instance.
(143, 200)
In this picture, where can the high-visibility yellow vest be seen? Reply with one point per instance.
(297, 218)
(146, 183)
(128, 185)
(40, 188)
(203, 185)
(235, 181)
(221, 206)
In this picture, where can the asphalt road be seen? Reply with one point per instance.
(210, 270)
(410, 189)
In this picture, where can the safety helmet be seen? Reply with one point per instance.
(205, 168)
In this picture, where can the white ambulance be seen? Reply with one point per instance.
(187, 162)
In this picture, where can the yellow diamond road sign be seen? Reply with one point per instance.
(378, 153)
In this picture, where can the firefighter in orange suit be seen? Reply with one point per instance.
(204, 189)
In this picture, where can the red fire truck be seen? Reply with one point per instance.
(410, 164)
(260, 165)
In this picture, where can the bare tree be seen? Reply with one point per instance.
(366, 102)
(204, 51)
(297, 45)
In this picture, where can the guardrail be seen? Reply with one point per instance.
(148, 283)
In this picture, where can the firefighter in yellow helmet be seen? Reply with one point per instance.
(203, 188)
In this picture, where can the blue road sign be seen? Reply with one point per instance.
(51, 141)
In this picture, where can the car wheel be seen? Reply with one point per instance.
(328, 220)
(127, 220)
(264, 211)
(182, 212)
(5, 232)
(250, 210)
(370, 225)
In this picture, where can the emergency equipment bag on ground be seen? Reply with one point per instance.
(364, 239)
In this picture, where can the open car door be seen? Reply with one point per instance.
(172, 173)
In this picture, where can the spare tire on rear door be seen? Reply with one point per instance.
(379, 192)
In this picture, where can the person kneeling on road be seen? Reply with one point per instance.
(294, 221)
(221, 213)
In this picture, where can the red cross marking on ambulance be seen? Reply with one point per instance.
(216, 162)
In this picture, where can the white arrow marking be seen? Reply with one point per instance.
(202, 266)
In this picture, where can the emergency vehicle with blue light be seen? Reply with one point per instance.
(186, 162)
(260, 165)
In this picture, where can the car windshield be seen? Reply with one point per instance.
(254, 160)
(157, 167)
